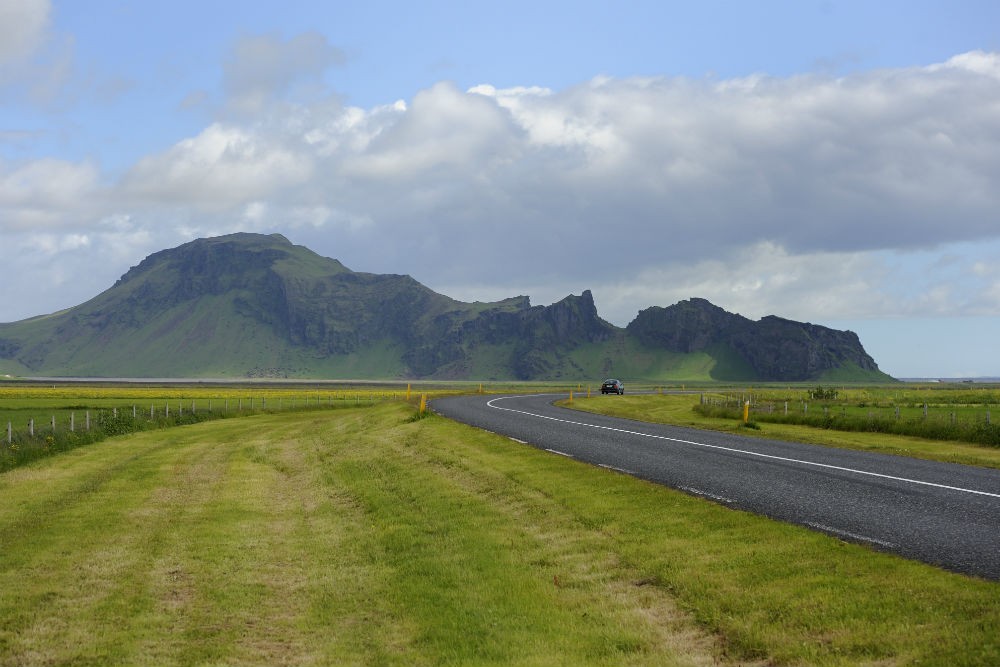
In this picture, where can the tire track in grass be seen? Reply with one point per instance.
(578, 564)
(86, 553)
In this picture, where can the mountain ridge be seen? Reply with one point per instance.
(252, 305)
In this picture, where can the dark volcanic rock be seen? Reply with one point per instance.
(775, 348)
(688, 326)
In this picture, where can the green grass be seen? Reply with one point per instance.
(962, 423)
(681, 410)
(363, 536)
(632, 360)
(48, 420)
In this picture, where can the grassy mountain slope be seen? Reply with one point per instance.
(249, 305)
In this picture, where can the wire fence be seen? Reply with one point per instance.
(29, 435)
(964, 423)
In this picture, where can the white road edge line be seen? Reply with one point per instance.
(845, 533)
(706, 494)
(737, 451)
(605, 465)
(556, 451)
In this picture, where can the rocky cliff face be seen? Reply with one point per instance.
(537, 336)
(688, 326)
(774, 348)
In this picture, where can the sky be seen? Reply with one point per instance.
(827, 161)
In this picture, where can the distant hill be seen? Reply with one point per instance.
(250, 305)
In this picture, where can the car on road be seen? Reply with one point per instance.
(612, 386)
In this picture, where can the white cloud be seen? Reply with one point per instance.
(23, 26)
(808, 197)
(763, 279)
(222, 167)
(37, 67)
(443, 129)
(978, 62)
(46, 194)
(263, 68)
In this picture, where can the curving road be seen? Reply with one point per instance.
(944, 514)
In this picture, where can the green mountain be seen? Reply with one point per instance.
(249, 305)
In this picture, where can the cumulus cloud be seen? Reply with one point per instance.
(222, 167)
(47, 194)
(444, 130)
(803, 196)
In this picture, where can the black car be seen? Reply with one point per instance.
(612, 386)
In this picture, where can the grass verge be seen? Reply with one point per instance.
(363, 536)
(678, 409)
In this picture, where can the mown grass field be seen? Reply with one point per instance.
(37, 420)
(362, 535)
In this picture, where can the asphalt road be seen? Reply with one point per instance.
(939, 513)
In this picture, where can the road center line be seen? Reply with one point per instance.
(735, 450)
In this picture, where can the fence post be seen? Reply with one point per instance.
(152, 415)
(133, 411)
(88, 419)
(72, 422)
(31, 427)
(53, 423)
(10, 433)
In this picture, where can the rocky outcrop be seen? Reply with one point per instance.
(775, 349)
